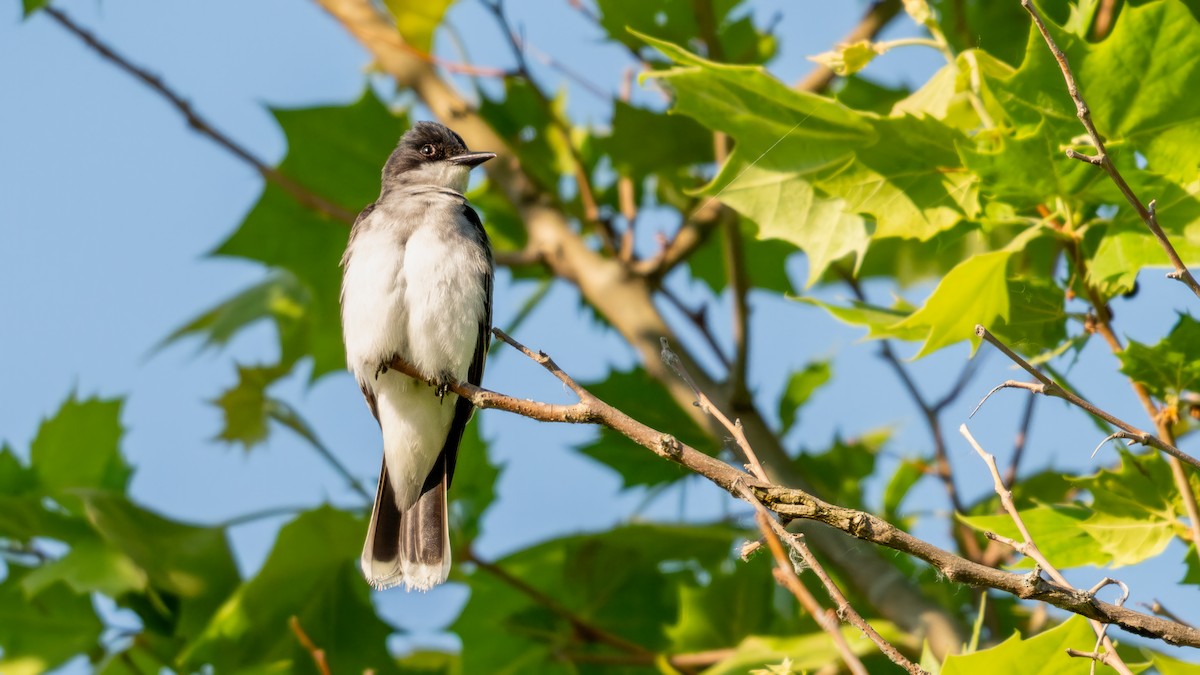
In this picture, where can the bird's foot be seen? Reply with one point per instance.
(442, 383)
(382, 369)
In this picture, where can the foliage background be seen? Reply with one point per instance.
(109, 203)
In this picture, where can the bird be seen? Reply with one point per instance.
(417, 279)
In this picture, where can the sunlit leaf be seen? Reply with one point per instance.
(1043, 654)
(417, 21)
(37, 636)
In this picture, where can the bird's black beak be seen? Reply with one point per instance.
(471, 158)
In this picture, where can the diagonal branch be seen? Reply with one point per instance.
(1102, 159)
(799, 504)
(1049, 387)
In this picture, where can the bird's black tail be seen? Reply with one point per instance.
(410, 547)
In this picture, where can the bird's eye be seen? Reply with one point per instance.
(428, 150)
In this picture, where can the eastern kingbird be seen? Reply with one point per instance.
(417, 284)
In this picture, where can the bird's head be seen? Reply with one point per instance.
(431, 154)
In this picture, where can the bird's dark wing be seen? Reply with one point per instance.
(463, 409)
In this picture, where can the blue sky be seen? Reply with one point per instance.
(109, 203)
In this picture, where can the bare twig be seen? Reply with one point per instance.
(1158, 608)
(699, 319)
(318, 654)
(774, 532)
(1021, 441)
(1029, 548)
(298, 192)
(1049, 387)
(785, 575)
(1102, 159)
(877, 17)
(795, 503)
(693, 232)
(734, 427)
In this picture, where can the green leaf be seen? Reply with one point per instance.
(786, 207)
(1043, 654)
(645, 142)
(417, 21)
(626, 581)
(1170, 367)
(766, 258)
(78, 447)
(900, 484)
(1134, 508)
(91, 565)
(881, 322)
(1037, 319)
(1147, 59)
(280, 298)
(864, 94)
(648, 402)
(1166, 665)
(675, 21)
(246, 408)
(528, 124)
(1192, 575)
(1058, 531)
(974, 292)
(311, 574)
(729, 608)
(39, 634)
(799, 388)
(31, 6)
(806, 653)
(192, 565)
(337, 151)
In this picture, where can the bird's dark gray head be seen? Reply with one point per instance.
(431, 154)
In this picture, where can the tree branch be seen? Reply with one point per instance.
(298, 192)
(1102, 160)
(1029, 549)
(795, 503)
(1048, 387)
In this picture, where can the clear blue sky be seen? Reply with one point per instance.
(108, 204)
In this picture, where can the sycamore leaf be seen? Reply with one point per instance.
(246, 408)
(974, 292)
(1134, 507)
(36, 637)
(787, 207)
(311, 574)
(800, 386)
(1043, 654)
(417, 20)
(645, 142)
(1057, 531)
(1170, 367)
(802, 653)
(627, 581)
(675, 21)
(337, 152)
(79, 447)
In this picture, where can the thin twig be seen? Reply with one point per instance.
(734, 427)
(1029, 548)
(318, 654)
(1102, 159)
(699, 319)
(1049, 387)
(774, 531)
(785, 575)
(298, 192)
(692, 233)
(1158, 608)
